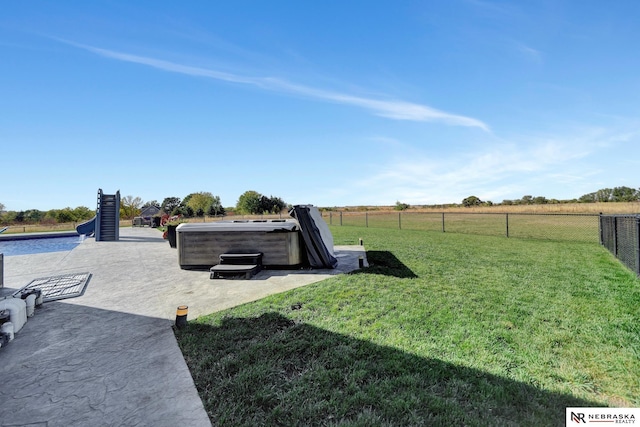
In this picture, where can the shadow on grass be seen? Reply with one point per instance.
(386, 263)
(271, 370)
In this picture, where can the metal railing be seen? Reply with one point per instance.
(565, 227)
(620, 234)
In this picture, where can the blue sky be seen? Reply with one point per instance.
(330, 103)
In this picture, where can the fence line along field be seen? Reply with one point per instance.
(562, 221)
(581, 227)
(572, 208)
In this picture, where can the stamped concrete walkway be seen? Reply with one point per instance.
(109, 357)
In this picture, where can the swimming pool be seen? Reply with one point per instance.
(39, 245)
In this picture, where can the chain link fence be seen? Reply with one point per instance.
(620, 234)
(564, 227)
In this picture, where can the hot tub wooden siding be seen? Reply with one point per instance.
(201, 248)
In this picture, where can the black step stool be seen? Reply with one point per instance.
(237, 266)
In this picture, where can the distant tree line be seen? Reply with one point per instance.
(253, 203)
(616, 194)
(193, 205)
(525, 200)
(53, 216)
(204, 203)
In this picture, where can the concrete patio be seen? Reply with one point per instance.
(109, 357)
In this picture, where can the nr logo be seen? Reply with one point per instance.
(577, 417)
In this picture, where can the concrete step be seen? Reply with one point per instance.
(241, 259)
(229, 271)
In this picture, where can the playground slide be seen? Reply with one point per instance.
(87, 228)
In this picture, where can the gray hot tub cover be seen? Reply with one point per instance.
(316, 235)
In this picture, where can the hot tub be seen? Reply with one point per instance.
(200, 244)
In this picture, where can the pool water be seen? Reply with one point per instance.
(38, 246)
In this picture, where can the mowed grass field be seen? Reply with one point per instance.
(573, 227)
(440, 329)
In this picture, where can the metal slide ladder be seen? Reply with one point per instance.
(108, 217)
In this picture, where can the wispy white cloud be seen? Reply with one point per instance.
(528, 52)
(560, 166)
(392, 109)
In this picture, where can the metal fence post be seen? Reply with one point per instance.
(400, 220)
(637, 245)
(330, 218)
(340, 217)
(443, 222)
(366, 219)
(507, 215)
(615, 236)
(601, 229)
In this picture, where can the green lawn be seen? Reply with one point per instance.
(569, 227)
(441, 329)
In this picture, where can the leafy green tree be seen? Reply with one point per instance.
(540, 200)
(587, 198)
(185, 201)
(184, 210)
(604, 195)
(624, 194)
(51, 216)
(169, 204)
(216, 207)
(82, 213)
(277, 204)
(471, 201)
(199, 202)
(1, 208)
(33, 216)
(617, 194)
(9, 217)
(265, 205)
(271, 204)
(130, 207)
(249, 202)
(65, 215)
(150, 203)
(526, 200)
(401, 206)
